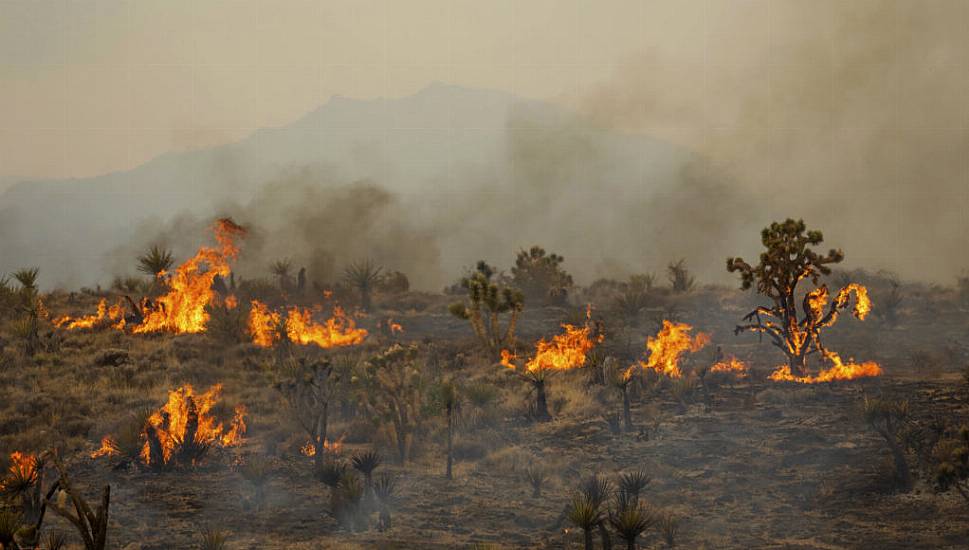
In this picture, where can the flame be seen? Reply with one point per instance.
(338, 330)
(108, 448)
(182, 309)
(263, 325)
(563, 352)
(170, 424)
(731, 365)
(332, 447)
(103, 316)
(23, 466)
(862, 301)
(394, 326)
(231, 302)
(672, 341)
(838, 371)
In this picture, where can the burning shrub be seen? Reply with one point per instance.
(666, 348)
(679, 276)
(788, 260)
(394, 392)
(888, 419)
(563, 352)
(180, 433)
(486, 302)
(307, 387)
(540, 276)
(267, 327)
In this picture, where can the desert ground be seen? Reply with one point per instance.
(733, 461)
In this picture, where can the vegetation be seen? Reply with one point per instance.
(679, 276)
(155, 260)
(394, 392)
(540, 275)
(363, 276)
(486, 302)
(887, 418)
(307, 388)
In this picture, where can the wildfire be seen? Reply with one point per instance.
(104, 315)
(185, 419)
(666, 347)
(231, 302)
(339, 330)
(22, 470)
(563, 352)
(393, 327)
(333, 447)
(838, 371)
(263, 325)
(731, 365)
(182, 309)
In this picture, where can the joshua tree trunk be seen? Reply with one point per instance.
(156, 456)
(604, 535)
(631, 544)
(319, 437)
(541, 402)
(587, 534)
(627, 415)
(902, 471)
(365, 298)
(450, 439)
(798, 363)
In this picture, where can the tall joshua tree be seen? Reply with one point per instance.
(486, 302)
(363, 276)
(787, 261)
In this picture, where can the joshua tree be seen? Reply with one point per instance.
(630, 518)
(281, 269)
(891, 303)
(91, 524)
(27, 277)
(449, 395)
(597, 490)
(788, 260)
(385, 488)
(363, 276)
(540, 275)
(621, 378)
(888, 419)
(395, 393)
(307, 387)
(679, 276)
(486, 302)
(155, 260)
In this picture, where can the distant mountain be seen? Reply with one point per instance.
(481, 171)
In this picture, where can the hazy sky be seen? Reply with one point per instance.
(854, 112)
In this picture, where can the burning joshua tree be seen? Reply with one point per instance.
(563, 352)
(789, 260)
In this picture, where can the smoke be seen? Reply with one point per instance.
(850, 115)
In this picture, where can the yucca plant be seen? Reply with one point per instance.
(27, 277)
(27, 329)
(331, 472)
(586, 514)
(281, 269)
(55, 540)
(634, 482)
(212, 538)
(257, 471)
(366, 463)
(630, 518)
(155, 260)
(10, 522)
(385, 489)
(348, 504)
(669, 526)
(363, 276)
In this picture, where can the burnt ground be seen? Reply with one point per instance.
(765, 465)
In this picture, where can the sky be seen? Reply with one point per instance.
(853, 112)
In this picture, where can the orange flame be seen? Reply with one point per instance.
(102, 317)
(731, 365)
(394, 327)
(170, 424)
(182, 309)
(672, 341)
(263, 325)
(231, 302)
(563, 352)
(332, 447)
(839, 371)
(23, 466)
(338, 330)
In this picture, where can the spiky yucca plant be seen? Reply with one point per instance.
(536, 476)
(385, 489)
(363, 276)
(281, 269)
(155, 260)
(586, 514)
(634, 482)
(630, 518)
(669, 526)
(212, 538)
(27, 277)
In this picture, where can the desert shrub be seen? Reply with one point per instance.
(536, 476)
(212, 538)
(227, 325)
(258, 472)
(540, 276)
(307, 387)
(888, 418)
(393, 282)
(952, 463)
(669, 527)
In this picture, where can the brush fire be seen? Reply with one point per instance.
(184, 429)
(667, 347)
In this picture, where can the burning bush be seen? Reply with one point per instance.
(180, 433)
(666, 348)
(789, 260)
(267, 327)
(563, 352)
